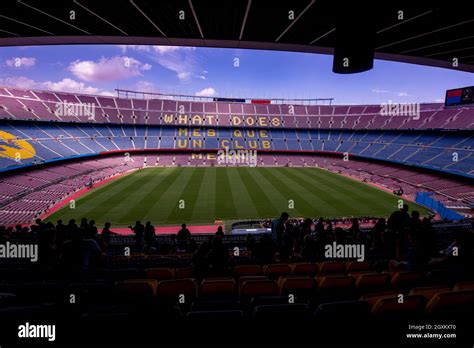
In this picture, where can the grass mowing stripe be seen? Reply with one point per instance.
(260, 199)
(348, 199)
(99, 201)
(287, 188)
(204, 207)
(318, 190)
(224, 203)
(244, 205)
(161, 201)
(139, 205)
(190, 194)
(361, 194)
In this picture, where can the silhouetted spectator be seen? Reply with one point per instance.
(319, 228)
(139, 231)
(219, 257)
(354, 230)
(106, 233)
(92, 229)
(149, 234)
(398, 229)
(278, 228)
(60, 236)
(304, 230)
(340, 236)
(265, 249)
(309, 250)
(376, 236)
(183, 236)
(220, 232)
(200, 261)
(84, 224)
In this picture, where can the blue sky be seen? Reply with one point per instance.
(99, 69)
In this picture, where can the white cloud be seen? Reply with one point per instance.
(65, 85)
(18, 81)
(69, 85)
(179, 59)
(403, 94)
(376, 90)
(108, 69)
(206, 92)
(144, 86)
(108, 94)
(439, 100)
(21, 62)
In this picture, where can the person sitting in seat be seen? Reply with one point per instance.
(183, 236)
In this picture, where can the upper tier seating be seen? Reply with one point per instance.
(39, 105)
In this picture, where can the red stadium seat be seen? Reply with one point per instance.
(372, 298)
(412, 305)
(160, 273)
(172, 289)
(463, 286)
(247, 270)
(300, 286)
(276, 270)
(332, 267)
(136, 290)
(429, 291)
(184, 272)
(305, 268)
(252, 288)
(451, 302)
(218, 288)
(355, 266)
(372, 282)
(333, 282)
(241, 280)
(405, 280)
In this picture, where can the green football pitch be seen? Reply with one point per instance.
(170, 196)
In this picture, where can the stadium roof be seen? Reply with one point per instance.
(427, 36)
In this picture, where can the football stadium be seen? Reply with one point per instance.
(140, 205)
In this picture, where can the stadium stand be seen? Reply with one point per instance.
(393, 152)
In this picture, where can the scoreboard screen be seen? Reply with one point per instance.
(459, 96)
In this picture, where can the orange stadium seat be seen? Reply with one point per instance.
(172, 289)
(372, 298)
(462, 286)
(334, 281)
(390, 307)
(429, 291)
(355, 266)
(183, 272)
(305, 268)
(261, 287)
(405, 280)
(224, 287)
(372, 282)
(332, 267)
(276, 270)
(247, 270)
(241, 280)
(160, 273)
(451, 302)
(299, 286)
(136, 290)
